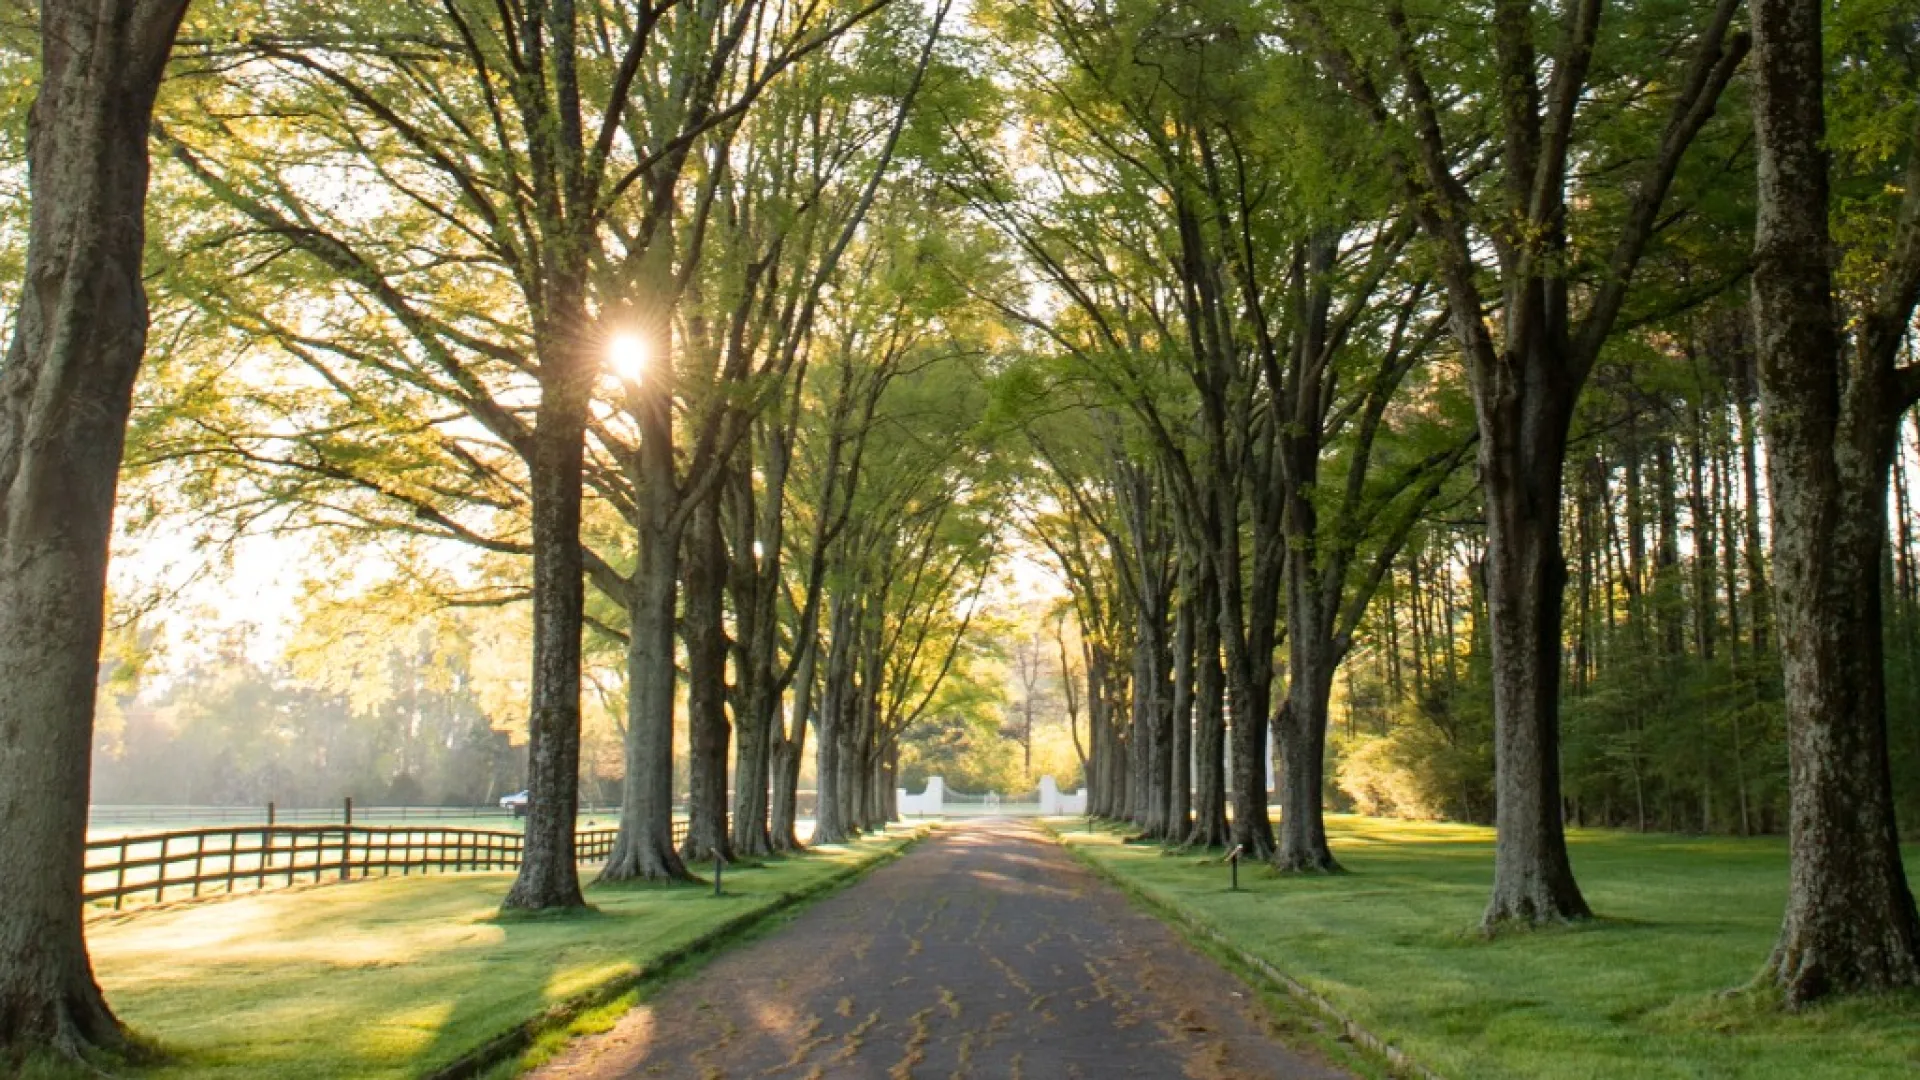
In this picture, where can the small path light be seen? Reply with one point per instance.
(719, 866)
(1233, 862)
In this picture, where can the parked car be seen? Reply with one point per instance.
(516, 802)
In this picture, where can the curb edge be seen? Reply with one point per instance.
(522, 1035)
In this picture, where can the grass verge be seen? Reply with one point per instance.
(410, 977)
(1391, 948)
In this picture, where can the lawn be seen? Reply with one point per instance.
(1637, 993)
(396, 977)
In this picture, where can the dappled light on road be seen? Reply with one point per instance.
(986, 952)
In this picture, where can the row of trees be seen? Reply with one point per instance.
(1299, 266)
(639, 304)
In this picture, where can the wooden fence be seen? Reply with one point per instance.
(183, 817)
(193, 862)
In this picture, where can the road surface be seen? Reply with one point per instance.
(986, 951)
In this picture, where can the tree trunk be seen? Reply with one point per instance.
(861, 754)
(1251, 828)
(1152, 716)
(1210, 728)
(878, 790)
(851, 788)
(549, 876)
(890, 786)
(787, 755)
(830, 824)
(1302, 733)
(1180, 748)
(1100, 748)
(1729, 549)
(1668, 603)
(644, 850)
(1850, 923)
(752, 771)
(1525, 577)
(1119, 739)
(66, 389)
(759, 546)
(708, 733)
(1139, 739)
(1700, 504)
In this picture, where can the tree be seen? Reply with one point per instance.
(1526, 379)
(1035, 699)
(1832, 415)
(66, 387)
(512, 176)
(543, 185)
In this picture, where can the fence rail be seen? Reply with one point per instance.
(107, 814)
(192, 862)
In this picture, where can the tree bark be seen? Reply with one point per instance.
(861, 753)
(1119, 739)
(66, 390)
(1152, 718)
(1210, 726)
(1850, 923)
(830, 821)
(1102, 749)
(1702, 528)
(1525, 580)
(1302, 733)
(1668, 604)
(787, 755)
(1180, 747)
(644, 850)
(708, 732)
(758, 557)
(549, 875)
(753, 767)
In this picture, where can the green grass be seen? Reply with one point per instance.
(1640, 992)
(397, 977)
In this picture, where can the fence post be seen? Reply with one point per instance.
(349, 815)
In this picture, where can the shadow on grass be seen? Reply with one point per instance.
(138, 1051)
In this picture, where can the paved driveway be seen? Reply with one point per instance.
(985, 952)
